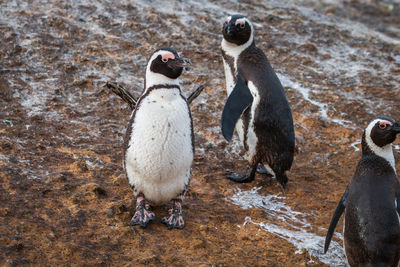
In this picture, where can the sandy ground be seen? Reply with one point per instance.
(64, 197)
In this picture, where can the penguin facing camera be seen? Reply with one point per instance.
(158, 146)
(256, 106)
(371, 202)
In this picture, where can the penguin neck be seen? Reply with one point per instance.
(234, 50)
(159, 80)
(370, 148)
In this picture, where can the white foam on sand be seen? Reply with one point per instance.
(305, 93)
(293, 225)
(355, 145)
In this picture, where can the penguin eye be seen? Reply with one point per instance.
(382, 125)
(167, 57)
(240, 23)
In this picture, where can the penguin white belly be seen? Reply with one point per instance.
(230, 84)
(252, 139)
(160, 154)
(240, 130)
(251, 135)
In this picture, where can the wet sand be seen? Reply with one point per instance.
(65, 199)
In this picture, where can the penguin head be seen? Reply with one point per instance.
(238, 30)
(166, 62)
(379, 135)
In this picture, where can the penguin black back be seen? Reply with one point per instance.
(257, 104)
(274, 110)
(372, 226)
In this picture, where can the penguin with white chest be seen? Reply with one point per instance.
(371, 202)
(256, 106)
(158, 146)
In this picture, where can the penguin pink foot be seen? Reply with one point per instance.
(174, 219)
(143, 214)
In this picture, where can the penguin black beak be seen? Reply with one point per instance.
(396, 127)
(180, 62)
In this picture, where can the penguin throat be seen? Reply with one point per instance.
(370, 148)
(234, 50)
(153, 79)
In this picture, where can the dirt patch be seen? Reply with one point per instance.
(63, 192)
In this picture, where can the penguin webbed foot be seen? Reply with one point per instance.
(243, 178)
(143, 214)
(174, 219)
(240, 178)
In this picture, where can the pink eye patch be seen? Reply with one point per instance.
(167, 56)
(240, 22)
(383, 124)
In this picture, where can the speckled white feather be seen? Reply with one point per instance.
(230, 82)
(385, 152)
(160, 155)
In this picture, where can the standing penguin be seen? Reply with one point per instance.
(257, 104)
(372, 201)
(158, 146)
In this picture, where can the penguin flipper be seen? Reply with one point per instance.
(195, 94)
(336, 216)
(239, 99)
(122, 93)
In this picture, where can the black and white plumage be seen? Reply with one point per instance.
(256, 106)
(159, 144)
(371, 202)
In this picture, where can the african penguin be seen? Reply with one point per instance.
(158, 146)
(371, 202)
(256, 104)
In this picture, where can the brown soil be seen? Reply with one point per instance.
(64, 197)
